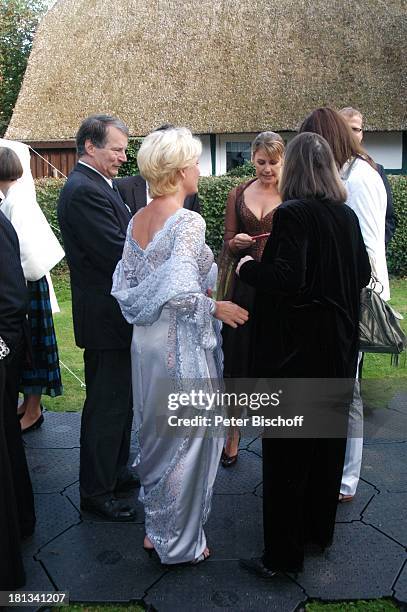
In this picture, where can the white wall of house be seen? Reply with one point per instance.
(385, 147)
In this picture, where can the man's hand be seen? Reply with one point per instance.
(231, 313)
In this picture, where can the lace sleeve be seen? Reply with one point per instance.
(188, 247)
(4, 350)
(228, 258)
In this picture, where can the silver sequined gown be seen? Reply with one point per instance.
(162, 292)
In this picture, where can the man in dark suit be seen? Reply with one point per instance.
(93, 220)
(354, 119)
(133, 190)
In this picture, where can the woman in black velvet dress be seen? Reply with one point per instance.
(306, 326)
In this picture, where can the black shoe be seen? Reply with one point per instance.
(130, 483)
(112, 509)
(228, 461)
(36, 425)
(255, 566)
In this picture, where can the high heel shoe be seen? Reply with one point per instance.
(36, 425)
(229, 460)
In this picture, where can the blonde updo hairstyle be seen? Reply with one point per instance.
(163, 154)
(271, 143)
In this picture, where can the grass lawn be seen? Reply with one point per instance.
(382, 380)
(377, 605)
(69, 354)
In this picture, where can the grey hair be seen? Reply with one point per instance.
(349, 111)
(94, 128)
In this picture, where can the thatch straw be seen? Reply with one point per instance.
(213, 65)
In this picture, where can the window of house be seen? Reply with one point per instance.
(237, 153)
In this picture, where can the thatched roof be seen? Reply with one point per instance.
(213, 65)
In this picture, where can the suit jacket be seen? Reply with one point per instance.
(13, 290)
(134, 193)
(93, 221)
(390, 221)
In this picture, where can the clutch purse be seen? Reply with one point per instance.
(379, 327)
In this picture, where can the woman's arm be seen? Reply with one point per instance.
(236, 241)
(283, 267)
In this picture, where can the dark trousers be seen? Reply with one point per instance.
(301, 481)
(11, 565)
(106, 422)
(19, 469)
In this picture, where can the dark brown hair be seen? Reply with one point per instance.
(10, 165)
(328, 123)
(310, 171)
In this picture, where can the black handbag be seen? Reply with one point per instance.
(379, 327)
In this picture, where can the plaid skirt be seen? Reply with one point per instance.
(42, 375)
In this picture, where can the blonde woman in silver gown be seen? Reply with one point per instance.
(162, 285)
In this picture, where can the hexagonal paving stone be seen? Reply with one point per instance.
(101, 562)
(72, 493)
(351, 511)
(52, 470)
(255, 446)
(59, 430)
(222, 585)
(54, 514)
(243, 477)
(361, 564)
(399, 402)
(387, 512)
(400, 588)
(384, 424)
(234, 529)
(385, 466)
(37, 580)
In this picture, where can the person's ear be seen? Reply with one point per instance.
(89, 147)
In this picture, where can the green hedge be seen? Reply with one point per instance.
(213, 191)
(397, 249)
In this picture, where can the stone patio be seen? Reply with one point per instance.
(97, 561)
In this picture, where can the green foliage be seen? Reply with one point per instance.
(18, 22)
(397, 249)
(48, 190)
(374, 605)
(213, 192)
(245, 170)
(130, 168)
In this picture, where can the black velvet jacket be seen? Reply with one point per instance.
(308, 292)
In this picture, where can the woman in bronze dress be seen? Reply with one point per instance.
(248, 223)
